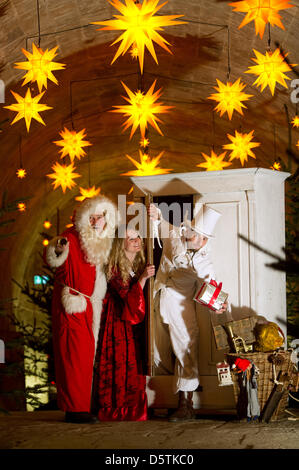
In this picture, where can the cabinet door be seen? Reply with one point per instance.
(230, 257)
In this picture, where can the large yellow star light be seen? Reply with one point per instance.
(72, 144)
(63, 176)
(214, 162)
(146, 166)
(40, 66)
(142, 109)
(241, 146)
(230, 97)
(269, 68)
(28, 108)
(140, 26)
(295, 121)
(88, 193)
(261, 12)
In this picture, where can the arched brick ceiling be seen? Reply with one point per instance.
(200, 55)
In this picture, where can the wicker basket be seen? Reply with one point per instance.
(265, 380)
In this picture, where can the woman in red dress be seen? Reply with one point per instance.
(120, 379)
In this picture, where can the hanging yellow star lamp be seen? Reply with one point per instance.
(47, 224)
(214, 162)
(140, 25)
(22, 207)
(295, 121)
(28, 108)
(39, 66)
(270, 69)
(230, 97)
(241, 146)
(72, 144)
(142, 109)
(276, 166)
(21, 173)
(63, 176)
(261, 12)
(144, 142)
(147, 166)
(88, 193)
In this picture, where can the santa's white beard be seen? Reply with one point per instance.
(96, 245)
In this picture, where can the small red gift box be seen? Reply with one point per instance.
(211, 295)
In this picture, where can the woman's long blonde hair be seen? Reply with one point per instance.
(118, 261)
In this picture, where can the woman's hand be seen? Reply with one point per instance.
(153, 212)
(148, 272)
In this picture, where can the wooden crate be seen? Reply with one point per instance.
(243, 328)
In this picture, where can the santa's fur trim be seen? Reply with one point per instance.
(96, 299)
(73, 303)
(96, 246)
(52, 259)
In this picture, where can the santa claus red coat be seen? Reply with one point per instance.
(79, 288)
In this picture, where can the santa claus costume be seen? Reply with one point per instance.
(79, 288)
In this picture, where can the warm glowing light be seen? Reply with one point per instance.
(47, 224)
(261, 12)
(269, 68)
(63, 176)
(72, 144)
(40, 66)
(295, 121)
(276, 166)
(88, 193)
(22, 206)
(144, 142)
(297, 145)
(142, 109)
(241, 146)
(134, 52)
(69, 225)
(21, 173)
(28, 108)
(131, 190)
(45, 242)
(147, 166)
(214, 162)
(230, 97)
(140, 26)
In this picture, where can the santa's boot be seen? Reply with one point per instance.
(185, 411)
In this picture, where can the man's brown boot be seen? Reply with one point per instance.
(185, 411)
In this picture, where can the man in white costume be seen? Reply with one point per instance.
(185, 264)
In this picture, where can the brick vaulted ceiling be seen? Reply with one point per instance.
(90, 86)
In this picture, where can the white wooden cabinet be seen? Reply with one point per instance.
(252, 204)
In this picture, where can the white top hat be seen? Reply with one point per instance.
(204, 221)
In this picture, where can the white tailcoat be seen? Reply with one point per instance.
(180, 274)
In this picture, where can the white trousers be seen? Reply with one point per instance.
(176, 342)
